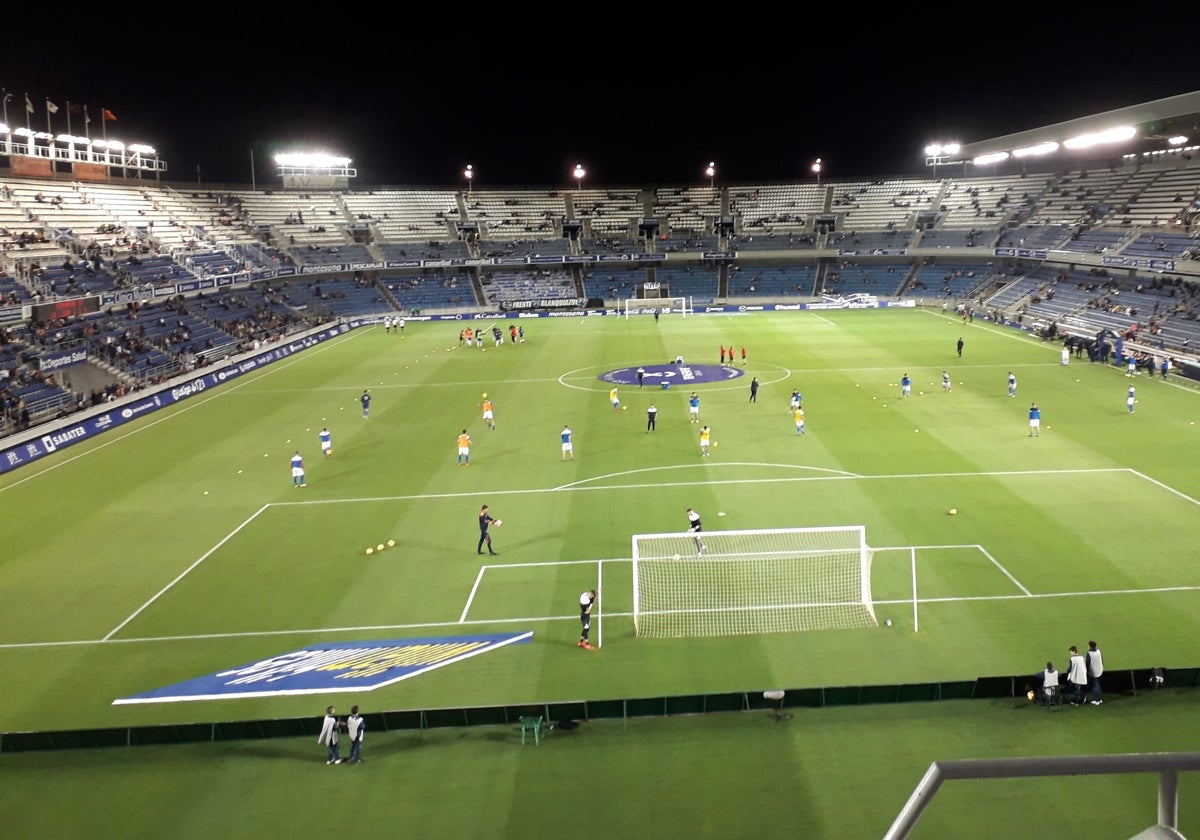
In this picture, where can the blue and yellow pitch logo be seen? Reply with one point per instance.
(332, 667)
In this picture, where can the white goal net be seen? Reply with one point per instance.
(663, 306)
(724, 583)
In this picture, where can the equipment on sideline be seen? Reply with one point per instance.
(648, 306)
(498, 522)
(762, 581)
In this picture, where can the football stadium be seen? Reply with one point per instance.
(519, 474)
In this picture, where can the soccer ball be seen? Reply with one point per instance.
(370, 550)
(379, 547)
(391, 543)
(676, 557)
(624, 408)
(498, 522)
(954, 511)
(715, 443)
(485, 395)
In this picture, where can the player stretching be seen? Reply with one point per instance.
(585, 618)
(694, 528)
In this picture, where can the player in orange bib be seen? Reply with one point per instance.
(464, 449)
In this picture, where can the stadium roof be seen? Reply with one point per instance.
(1155, 122)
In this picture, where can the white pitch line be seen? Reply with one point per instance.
(474, 494)
(184, 573)
(1158, 483)
(471, 596)
(552, 618)
(1006, 572)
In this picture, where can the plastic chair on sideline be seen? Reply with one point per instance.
(1052, 696)
(776, 696)
(532, 723)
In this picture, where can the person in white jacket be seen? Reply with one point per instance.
(356, 727)
(1077, 675)
(329, 736)
(1095, 668)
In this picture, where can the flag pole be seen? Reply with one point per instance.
(68, 116)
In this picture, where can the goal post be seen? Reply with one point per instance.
(664, 306)
(724, 583)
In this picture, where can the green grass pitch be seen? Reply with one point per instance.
(176, 546)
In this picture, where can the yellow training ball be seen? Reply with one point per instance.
(954, 511)
(370, 550)
(391, 543)
(379, 547)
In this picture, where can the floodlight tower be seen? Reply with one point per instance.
(578, 174)
(469, 174)
(711, 172)
(816, 168)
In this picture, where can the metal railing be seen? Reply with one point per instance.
(1166, 765)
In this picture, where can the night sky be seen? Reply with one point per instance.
(637, 99)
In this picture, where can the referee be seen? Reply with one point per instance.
(585, 617)
(651, 417)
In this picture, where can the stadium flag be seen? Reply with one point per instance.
(87, 120)
(28, 105)
(108, 115)
(51, 107)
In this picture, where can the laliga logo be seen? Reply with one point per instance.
(188, 389)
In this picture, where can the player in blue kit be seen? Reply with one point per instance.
(326, 442)
(365, 399)
(905, 386)
(297, 470)
(1035, 421)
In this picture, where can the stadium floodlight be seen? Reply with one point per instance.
(987, 160)
(142, 149)
(1037, 150)
(311, 160)
(725, 583)
(469, 174)
(943, 150)
(1097, 138)
(711, 172)
(816, 168)
(4, 129)
(1177, 140)
(578, 174)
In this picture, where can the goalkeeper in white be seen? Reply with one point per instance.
(694, 528)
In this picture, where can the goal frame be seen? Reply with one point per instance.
(668, 305)
(780, 553)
